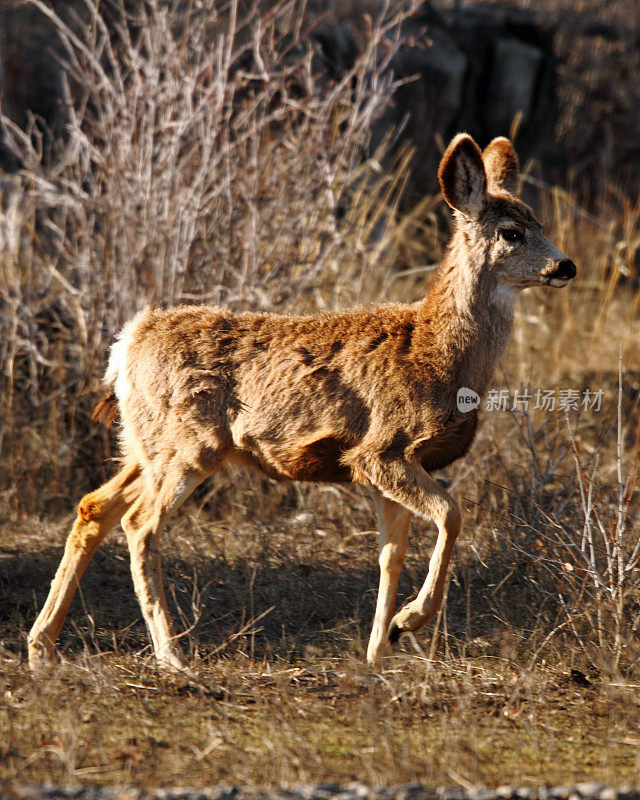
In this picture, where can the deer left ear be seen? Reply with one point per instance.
(462, 176)
(501, 165)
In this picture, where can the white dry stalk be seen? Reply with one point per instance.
(606, 578)
(604, 551)
(596, 561)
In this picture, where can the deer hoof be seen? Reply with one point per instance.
(394, 632)
(40, 653)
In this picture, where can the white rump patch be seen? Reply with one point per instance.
(117, 369)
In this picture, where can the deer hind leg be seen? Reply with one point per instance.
(143, 525)
(98, 512)
(393, 527)
(408, 484)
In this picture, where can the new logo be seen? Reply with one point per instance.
(467, 400)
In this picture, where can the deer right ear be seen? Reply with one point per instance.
(501, 165)
(462, 177)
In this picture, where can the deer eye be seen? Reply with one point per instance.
(511, 235)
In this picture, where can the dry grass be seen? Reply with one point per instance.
(282, 724)
(205, 182)
(280, 693)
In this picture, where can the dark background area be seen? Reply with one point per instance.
(562, 76)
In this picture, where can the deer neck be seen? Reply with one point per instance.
(468, 313)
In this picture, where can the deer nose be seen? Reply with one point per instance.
(566, 270)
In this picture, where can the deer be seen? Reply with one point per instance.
(366, 395)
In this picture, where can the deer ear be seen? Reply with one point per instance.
(501, 165)
(462, 177)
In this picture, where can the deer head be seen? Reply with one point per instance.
(505, 243)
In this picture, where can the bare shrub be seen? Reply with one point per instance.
(573, 528)
(203, 164)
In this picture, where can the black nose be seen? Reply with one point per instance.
(566, 270)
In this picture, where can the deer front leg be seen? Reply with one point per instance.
(417, 613)
(408, 484)
(393, 528)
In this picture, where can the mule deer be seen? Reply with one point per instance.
(366, 396)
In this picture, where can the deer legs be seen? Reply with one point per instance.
(143, 526)
(142, 510)
(402, 488)
(407, 484)
(98, 512)
(393, 527)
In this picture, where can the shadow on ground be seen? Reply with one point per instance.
(277, 602)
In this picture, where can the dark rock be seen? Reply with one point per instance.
(409, 791)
